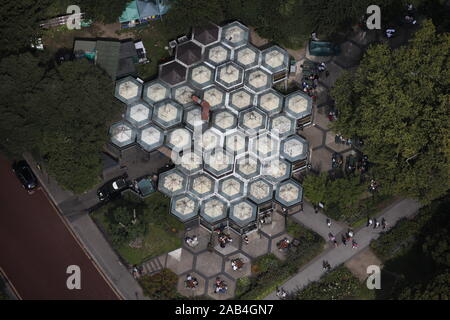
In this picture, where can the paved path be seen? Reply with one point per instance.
(336, 256)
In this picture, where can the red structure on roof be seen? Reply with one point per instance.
(205, 107)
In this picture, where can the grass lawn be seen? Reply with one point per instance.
(163, 232)
(268, 271)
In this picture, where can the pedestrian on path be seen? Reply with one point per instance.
(281, 293)
(383, 223)
(316, 209)
(344, 240)
(354, 245)
(369, 222)
(375, 223)
(350, 233)
(328, 222)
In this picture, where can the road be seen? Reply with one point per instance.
(36, 247)
(313, 271)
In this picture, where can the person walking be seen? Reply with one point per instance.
(375, 223)
(383, 223)
(354, 245)
(328, 222)
(344, 240)
(369, 222)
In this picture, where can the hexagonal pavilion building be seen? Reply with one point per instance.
(150, 138)
(241, 99)
(229, 75)
(247, 56)
(184, 207)
(275, 59)
(172, 182)
(122, 134)
(289, 193)
(167, 114)
(155, 91)
(270, 101)
(128, 90)
(231, 188)
(217, 54)
(215, 97)
(201, 75)
(202, 185)
(294, 148)
(298, 105)
(235, 34)
(260, 191)
(138, 113)
(242, 214)
(258, 80)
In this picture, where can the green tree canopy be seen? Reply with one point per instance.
(102, 10)
(398, 102)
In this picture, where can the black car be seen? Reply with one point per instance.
(25, 175)
(113, 188)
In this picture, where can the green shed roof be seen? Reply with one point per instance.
(108, 53)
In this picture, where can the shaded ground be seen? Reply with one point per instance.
(359, 263)
(36, 247)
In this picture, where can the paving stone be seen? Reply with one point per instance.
(203, 237)
(258, 245)
(330, 142)
(274, 248)
(231, 284)
(180, 261)
(350, 55)
(278, 225)
(209, 263)
(231, 246)
(313, 135)
(245, 271)
(200, 290)
(322, 94)
(334, 73)
(321, 159)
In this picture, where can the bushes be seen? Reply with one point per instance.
(338, 285)
(160, 286)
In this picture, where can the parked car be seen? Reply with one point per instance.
(25, 175)
(113, 188)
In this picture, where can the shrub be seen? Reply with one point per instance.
(160, 286)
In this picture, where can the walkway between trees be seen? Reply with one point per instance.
(313, 271)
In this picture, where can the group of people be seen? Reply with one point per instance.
(376, 224)
(284, 244)
(191, 282)
(326, 265)
(281, 293)
(220, 286)
(237, 264)
(341, 140)
(224, 239)
(373, 186)
(191, 241)
(408, 19)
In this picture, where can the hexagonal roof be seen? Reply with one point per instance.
(206, 34)
(184, 206)
(122, 134)
(217, 54)
(258, 80)
(209, 140)
(218, 162)
(248, 167)
(275, 59)
(289, 193)
(201, 75)
(167, 113)
(229, 75)
(243, 212)
(202, 185)
(235, 34)
(247, 56)
(155, 91)
(179, 139)
(183, 94)
(188, 53)
(224, 120)
(214, 209)
(240, 99)
(265, 146)
(231, 188)
(215, 97)
(172, 73)
(150, 137)
(282, 125)
(276, 170)
(193, 117)
(260, 191)
(128, 90)
(298, 105)
(236, 142)
(172, 182)
(252, 120)
(270, 101)
(138, 113)
(190, 162)
(294, 148)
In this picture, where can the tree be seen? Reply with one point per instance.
(102, 10)
(123, 226)
(315, 187)
(19, 23)
(397, 102)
